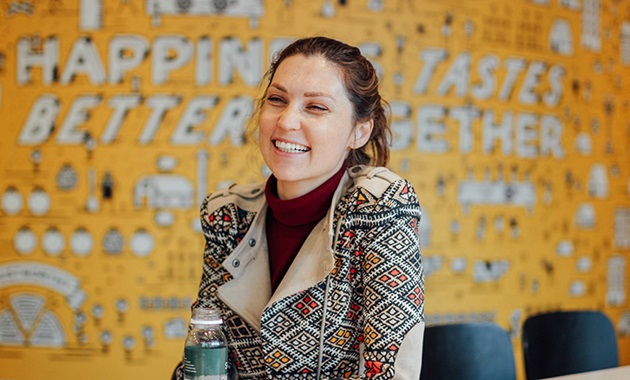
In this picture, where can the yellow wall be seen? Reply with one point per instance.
(512, 120)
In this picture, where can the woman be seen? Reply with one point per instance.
(318, 274)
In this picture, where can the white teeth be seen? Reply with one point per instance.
(291, 148)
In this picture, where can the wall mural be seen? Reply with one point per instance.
(512, 120)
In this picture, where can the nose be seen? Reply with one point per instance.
(289, 118)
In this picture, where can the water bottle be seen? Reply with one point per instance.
(205, 350)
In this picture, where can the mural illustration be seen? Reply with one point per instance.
(117, 118)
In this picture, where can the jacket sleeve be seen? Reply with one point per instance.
(393, 283)
(218, 243)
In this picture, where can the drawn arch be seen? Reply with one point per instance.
(25, 319)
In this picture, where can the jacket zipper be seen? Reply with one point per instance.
(322, 328)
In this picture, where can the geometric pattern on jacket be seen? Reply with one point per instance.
(375, 292)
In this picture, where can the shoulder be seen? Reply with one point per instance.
(246, 197)
(378, 197)
(377, 180)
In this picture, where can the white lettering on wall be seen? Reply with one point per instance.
(526, 135)
(40, 121)
(514, 66)
(431, 58)
(125, 53)
(121, 104)
(185, 134)
(465, 116)
(169, 53)
(487, 87)
(233, 121)
(402, 125)
(550, 136)
(27, 59)
(430, 127)
(84, 59)
(248, 63)
(77, 115)
(554, 95)
(457, 76)
(159, 104)
(532, 80)
(493, 132)
(203, 72)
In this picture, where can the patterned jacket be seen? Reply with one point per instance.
(351, 304)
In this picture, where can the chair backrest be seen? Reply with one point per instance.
(470, 351)
(562, 343)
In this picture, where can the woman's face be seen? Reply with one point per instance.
(306, 125)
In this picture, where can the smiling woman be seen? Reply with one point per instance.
(318, 272)
(306, 125)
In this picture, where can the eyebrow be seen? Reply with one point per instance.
(310, 94)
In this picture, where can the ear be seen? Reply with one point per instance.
(361, 134)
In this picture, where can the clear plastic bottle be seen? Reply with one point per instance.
(205, 350)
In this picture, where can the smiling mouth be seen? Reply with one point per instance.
(290, 147)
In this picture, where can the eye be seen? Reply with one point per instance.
(317, 108)
(275, 99)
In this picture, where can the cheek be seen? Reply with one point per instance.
(265, 124)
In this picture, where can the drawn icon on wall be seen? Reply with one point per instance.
(141, 243)
(561, 39)
(497, 192)
(459, 264)
(622, 228)
(175, 328)
(584, 264)
(25, 241)
(164, 191)
(106, 339)
(53, 242)
(107, 186)
(625, 43)
(38, 202)
(490, 271)
(27, 318)
(28, 322)
(113, 242)
(577, 288)
(583, 144)
(233, 8)
(591, 25)
(565, 248)
(424, 229)
(81, 242)
(585, 216)
(616, 289)
(598, 181)
(12, 201)
(91, 14)
(202, 157)
(164, 218)
(67, 178)
(92, 203)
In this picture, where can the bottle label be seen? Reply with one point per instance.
(205, 363)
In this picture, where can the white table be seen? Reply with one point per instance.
(619, 373)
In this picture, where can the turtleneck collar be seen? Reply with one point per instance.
(306, 209)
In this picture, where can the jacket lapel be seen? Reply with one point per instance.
(250, 288)
(249, 291)
(316, 258)
(311, 265)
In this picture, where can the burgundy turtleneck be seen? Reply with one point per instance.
(289, 222)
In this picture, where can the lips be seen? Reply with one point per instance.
(288, 147)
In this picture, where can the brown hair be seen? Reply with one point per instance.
(361, 84)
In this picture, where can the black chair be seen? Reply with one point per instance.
(562, 343)
(467, 351)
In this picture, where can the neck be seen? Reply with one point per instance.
(294, 189)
